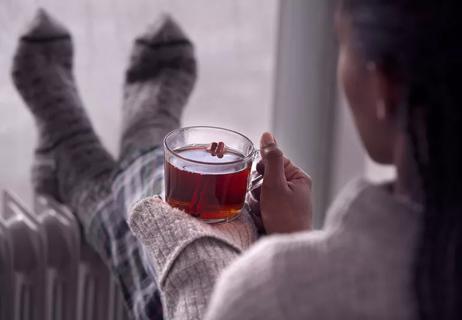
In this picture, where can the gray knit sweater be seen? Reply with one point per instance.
(358, 267)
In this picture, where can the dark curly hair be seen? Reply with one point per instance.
(416, 42)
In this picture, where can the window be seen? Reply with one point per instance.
(235, 43)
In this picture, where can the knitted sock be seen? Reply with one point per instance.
(159, 81)
(69, 156)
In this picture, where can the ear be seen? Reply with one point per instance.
(385, 92)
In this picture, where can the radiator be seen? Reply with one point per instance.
(47, 271)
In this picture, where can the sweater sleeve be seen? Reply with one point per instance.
(246, 290)
(186, 253)
(272, 280)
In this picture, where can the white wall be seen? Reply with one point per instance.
(235, 42)
(305, 92)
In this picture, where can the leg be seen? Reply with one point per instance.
(72, 166)
(109, 234)
(159, 81)
(69, 155)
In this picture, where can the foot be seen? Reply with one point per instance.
(159, 81)
(69, 154)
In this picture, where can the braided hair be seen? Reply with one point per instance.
(416, 43)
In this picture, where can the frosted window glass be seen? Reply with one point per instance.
(235, 41)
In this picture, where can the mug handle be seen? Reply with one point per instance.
(256, 179)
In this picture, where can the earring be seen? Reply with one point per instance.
(381, 110)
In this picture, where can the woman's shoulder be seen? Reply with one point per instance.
(366, 205)
(345, 199)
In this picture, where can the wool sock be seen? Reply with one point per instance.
(159, 81)
(70, 160)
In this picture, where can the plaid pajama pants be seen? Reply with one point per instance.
(107, 231)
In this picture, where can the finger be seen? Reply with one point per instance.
(261, 165)
(274, 161)
(294, 173)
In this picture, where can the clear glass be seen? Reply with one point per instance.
(208, 187)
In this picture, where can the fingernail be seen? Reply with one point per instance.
(267, 139)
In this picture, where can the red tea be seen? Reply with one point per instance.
(210, 192)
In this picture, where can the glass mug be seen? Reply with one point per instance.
(208, 187)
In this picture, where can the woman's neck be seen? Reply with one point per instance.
(408, 183)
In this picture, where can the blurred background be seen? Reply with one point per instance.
(264, 65)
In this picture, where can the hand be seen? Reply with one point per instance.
(285, 199)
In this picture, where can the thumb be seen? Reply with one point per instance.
(274, 161)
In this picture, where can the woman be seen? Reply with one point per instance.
(387, 251)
